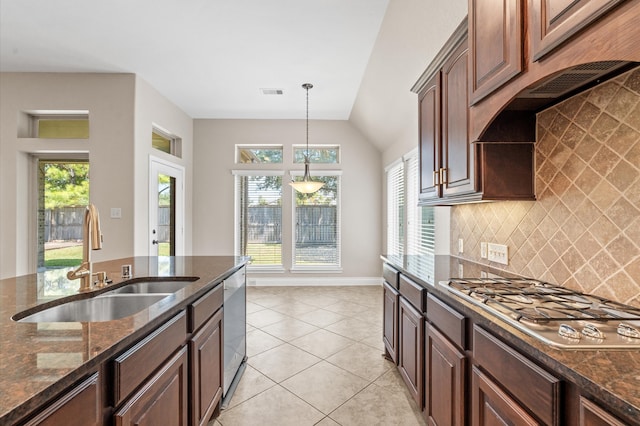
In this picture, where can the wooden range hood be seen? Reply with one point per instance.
(605, 49)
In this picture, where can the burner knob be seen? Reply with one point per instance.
(627, 330)
(569, 332)
(592, 331)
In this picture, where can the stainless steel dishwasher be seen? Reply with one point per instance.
(234, 332)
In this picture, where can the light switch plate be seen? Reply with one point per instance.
(498, 253)
(116, 213)
(483, 250)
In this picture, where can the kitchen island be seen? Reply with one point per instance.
(580, 382)
(41, 361)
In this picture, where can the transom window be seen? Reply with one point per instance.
(263, 154)
(328, 154)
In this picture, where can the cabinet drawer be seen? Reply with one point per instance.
(449, 321)
(202, 309)
(390, 275)
(533, 387)
(135, 365)
(413, 292)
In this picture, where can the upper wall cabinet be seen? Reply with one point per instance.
(495, 38)
(523, 54)
(554, 21)
(452, 170)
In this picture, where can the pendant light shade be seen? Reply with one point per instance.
(306, 185)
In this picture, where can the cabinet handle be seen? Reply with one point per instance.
(436, 178)
(443, 176)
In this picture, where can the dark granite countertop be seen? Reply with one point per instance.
(39, 360)
(611, 376)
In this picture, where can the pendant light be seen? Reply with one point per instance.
(306, 185)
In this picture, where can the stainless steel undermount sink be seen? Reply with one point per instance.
(150, 287)
(105, 307)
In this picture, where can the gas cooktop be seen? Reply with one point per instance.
(556, 315)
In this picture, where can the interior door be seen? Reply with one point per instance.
(166, 208)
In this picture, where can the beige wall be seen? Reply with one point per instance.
(121, 109)
(361, 186)
(109, 100)
(151, 108)
(584, 230)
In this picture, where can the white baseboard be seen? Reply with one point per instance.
(316, 281)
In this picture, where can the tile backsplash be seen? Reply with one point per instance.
(583, 232)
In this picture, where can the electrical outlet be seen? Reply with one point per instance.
(498, 253)
(460, 245)
(483, 250)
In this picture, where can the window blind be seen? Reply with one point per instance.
(395, 209)
(259, 214)
(317, 226)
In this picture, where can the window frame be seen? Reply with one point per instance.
(240, 146)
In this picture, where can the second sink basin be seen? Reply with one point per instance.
(160, 286)
(105, 307)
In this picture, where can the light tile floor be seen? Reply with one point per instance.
(315, 358)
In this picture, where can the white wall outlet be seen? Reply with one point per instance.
(116, 213)
(498, 253)
(460, 271)
(460, 245)
(483, 250)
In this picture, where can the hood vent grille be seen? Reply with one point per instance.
(571, 79)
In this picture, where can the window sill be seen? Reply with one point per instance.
(316, 269)
(266, 269)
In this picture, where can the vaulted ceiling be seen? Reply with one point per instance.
(212, 57)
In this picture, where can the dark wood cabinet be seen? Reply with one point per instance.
(496, 41)
(205, 352)
(490, 405)
(445, 381)
(78, 407)
(447, 160)
(453, 170)
(554, 21)
(411, 349)
(390, 321)
(430, 142)
(457, 174)
(591, 414)
(163, 398)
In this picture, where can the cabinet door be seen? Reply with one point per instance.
(554, 21)
(78, 407)
(162, 400)
(411, 349)
(429, 113)
(390, 330)
(458, 159)
(490, 405)
(205, 353)
(593, 415)
(445, 369)
(496, 38)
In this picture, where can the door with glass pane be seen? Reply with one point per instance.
(166, 209)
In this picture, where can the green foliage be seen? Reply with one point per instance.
(62, 257)
(65, 184)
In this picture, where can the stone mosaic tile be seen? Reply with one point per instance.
(583, 231)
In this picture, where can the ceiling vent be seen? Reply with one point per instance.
(272, 91)
(571, 79)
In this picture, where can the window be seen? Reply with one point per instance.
(328, 154)
(317, 225)
(263, 154)
(259, 217)
(53, 124)
(164, 141)
(410, 228)
(395, 209)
